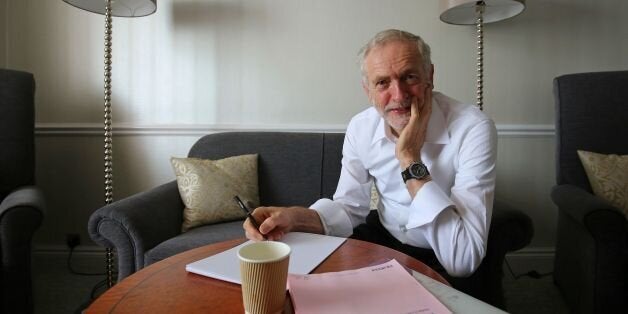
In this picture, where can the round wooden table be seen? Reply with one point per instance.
(166, 287)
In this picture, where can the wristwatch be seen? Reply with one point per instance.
(416, 170)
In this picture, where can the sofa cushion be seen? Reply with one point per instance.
(194, 238)
(608, 176)
(207, 188)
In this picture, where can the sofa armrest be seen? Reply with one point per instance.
(26, 196)
(591, 250)
(21, 214)
(580, 205)
(512, 228)
(138, 223)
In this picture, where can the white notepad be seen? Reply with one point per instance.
(308, 250)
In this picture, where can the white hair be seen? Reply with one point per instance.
(390, 35)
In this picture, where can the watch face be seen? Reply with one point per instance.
(418, 170)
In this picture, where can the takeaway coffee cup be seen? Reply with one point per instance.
(264, 271)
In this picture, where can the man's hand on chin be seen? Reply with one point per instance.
(412, 137)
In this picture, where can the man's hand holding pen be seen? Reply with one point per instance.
(271, 223)
(250, 218)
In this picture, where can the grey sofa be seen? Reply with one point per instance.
(294, 169)
(591, 262)
(21, 202)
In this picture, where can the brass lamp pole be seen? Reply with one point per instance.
(122, 8)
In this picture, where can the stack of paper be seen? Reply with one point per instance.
(307, 251)
(384, 288)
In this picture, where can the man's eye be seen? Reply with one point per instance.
(383, 84)
(412, 79)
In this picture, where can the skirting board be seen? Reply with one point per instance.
(84, 259)
(539, 259)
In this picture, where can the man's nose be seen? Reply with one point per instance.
(397, 91)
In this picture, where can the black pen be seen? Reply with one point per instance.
(247, 211)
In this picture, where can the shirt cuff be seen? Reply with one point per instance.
(427, 204)
(334, 219)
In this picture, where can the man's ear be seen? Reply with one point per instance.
(432, 75)
(366, 91)
(365, 88)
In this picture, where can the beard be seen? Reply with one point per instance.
(396, 115)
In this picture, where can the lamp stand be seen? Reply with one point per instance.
(110, 8)
(479, 26)
(108, 148)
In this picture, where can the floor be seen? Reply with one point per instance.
(530, 295)
(57, 290)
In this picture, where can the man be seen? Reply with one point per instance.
(431, 158)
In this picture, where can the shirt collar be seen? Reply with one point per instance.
(436, 129)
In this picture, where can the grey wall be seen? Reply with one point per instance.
(201, 66)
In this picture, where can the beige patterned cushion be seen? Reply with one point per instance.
(374, 197)
(608, 176)
(207, 188)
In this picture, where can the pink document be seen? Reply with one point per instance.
(384, 288)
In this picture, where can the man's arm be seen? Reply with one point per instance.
(352, 198)
(458, 233)
(412, 138)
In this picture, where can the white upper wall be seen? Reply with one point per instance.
(293, 62)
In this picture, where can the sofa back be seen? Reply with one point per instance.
(294, 168)
(17, 121)
(591, 115)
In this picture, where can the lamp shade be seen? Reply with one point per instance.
(121, 8)
(463, 12)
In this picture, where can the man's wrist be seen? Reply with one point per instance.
(307, 220)
(406, 162)
(423, 180)
(415, 171)
(414, 185)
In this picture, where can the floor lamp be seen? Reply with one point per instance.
(122, 8)
(473, 12)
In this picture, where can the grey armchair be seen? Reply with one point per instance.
(21, 203)
(591, 263)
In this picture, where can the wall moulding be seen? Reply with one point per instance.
(96, 129)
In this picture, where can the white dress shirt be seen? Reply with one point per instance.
(450, 214)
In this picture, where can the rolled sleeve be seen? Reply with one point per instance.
(430, 201)
(335, 220)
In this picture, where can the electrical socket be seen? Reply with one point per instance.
(72, 240)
